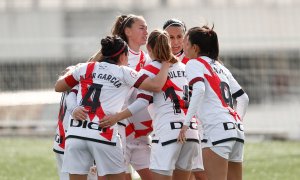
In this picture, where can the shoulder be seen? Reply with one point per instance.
(178, 65)
(152, 67)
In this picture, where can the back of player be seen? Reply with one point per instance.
(133, 29)
(102, 90)
(102, 87)
(213, 86)
(168, 114)
(59, 140)
(176, 30)
(62, 127)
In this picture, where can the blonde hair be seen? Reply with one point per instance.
(160, 44)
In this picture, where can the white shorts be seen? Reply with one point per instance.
(80, 155)
(198, 160)
(226, 140)
(137, 154)
(173, 155)
(59, 162)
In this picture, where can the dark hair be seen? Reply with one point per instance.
(174, 22)
(207, 41)
(123, 22)
(160, 44)
(112, 48)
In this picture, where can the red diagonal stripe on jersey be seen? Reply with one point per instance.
(129, 129)
(61, 134)
(168, 83)
(85, 82)
(141, 63)
(144, 132)
(215, 82)
(185, 60)
(107, 134)
(152, 69)
(61, 115)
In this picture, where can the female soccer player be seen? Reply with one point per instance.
(102, 89)
(213, 88)
(176, 30)
(168, 113)
(133, 30)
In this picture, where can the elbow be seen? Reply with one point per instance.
(57, 87)
(246, 98)
(156, 88)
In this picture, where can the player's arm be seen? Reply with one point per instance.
(155, 84)
(61, 85)
(242, 101)
(138, 105)
(77, 112)
(65, 83)
(196, 101)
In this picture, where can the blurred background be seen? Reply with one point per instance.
(259, 43)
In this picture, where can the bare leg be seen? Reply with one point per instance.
(179, 174)
(78, 177)
(198, 175)
(157, 176)
(101, 178)
(215, 166)
(145, 174)
(235, 171)
(120, 176)
(127, 176)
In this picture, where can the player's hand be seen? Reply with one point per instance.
(80, 113)
(167, 63)
(181, 138)
(108, 121)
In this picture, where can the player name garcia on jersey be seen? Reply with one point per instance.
(115, 81)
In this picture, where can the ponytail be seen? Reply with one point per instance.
(160, 44)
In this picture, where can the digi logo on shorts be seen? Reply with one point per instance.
(86, 124)
(231, 125)
(178, 125)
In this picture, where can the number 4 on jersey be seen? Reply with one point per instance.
(95, 90)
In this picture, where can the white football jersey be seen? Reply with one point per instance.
(181, 56)
(102, 90)
(138, 126)
(170, 105)
(62, 124)
(219, 83)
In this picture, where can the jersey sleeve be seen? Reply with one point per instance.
(144, 98)
(233, 84)
(74, 78)
(71, 100)
(147, 59)
(194, 71)
(239, 95)
(132, 77)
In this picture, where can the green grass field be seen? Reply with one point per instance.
(33, 159)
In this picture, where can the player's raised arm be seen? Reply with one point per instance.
(61, 85)
(159, 49)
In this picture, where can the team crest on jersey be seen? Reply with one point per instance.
(102, 67)
(133, 74)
